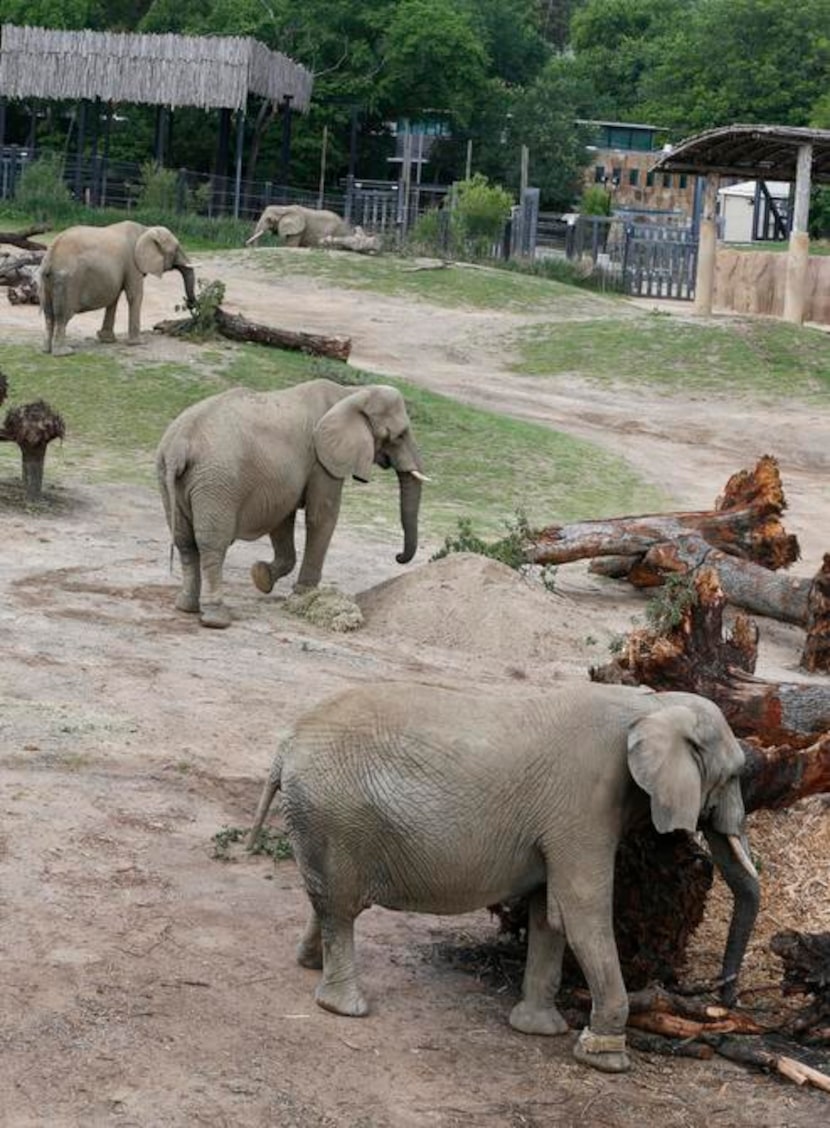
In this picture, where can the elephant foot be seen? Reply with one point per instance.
(61, 350)
(605, 1052)
(342, 999)
(106, 335)
(537, 1020)
(261, 575)
(187, 602)
(132, 340)
(301, 589)
(215, 615)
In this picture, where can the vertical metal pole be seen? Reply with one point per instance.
(79, 149)
(2, 122)
(468, 168)
(321, 194)
(240, 145)
(798, 255)
(105, 164)
(285, 152)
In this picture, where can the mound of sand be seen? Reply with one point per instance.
(472, 604)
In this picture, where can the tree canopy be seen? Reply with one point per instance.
(499, 73)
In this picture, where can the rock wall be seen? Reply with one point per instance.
(754, 281)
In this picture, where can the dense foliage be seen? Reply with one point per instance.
(499, 73)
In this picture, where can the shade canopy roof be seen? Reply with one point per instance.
(210, 72)
(763, 152)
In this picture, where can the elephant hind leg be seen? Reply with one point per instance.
(107, 330)
(536, 1012)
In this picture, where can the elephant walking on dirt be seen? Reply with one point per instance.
(90, 267)
(428, 800)
(238, 466)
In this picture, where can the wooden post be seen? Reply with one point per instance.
(799, 250)
(705, 280)
(285, 149)
(80, 138)
(468, 168)
(524, 172)
(322, 189)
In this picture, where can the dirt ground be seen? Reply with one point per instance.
(145, 982)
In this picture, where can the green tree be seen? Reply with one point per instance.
(763, 61)
(433, 60)
(64, 15)
(544, 118)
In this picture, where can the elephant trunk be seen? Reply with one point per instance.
(189, 278)
(410, 503)
(746, 894)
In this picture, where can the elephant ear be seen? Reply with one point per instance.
(155, 250)
(344, 442)
(661, 758)
(292, 224)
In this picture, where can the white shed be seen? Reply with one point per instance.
(736, 209)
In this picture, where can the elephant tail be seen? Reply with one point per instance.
(272, 786)
(171, 463)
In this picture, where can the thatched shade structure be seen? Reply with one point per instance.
(756, 152)
(208, 72)
(216, 72)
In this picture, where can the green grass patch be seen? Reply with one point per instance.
(484, 467)
(765, 357)
(458, 285)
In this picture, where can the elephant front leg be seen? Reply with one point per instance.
(265, 574)
(339, 990)
(590, 931)
(107, 330)
(134, 299)
(537, 1013)
(321, 512)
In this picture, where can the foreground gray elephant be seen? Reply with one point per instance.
(428, 800)
(300, 227)
(90, 267)
(238, 466)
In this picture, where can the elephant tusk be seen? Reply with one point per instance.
(739, 850)
(419, 477)
(254, 237)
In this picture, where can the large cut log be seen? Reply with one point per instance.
(745, 523)
(697, 655)
(239, 328)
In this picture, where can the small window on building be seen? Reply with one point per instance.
(616, 177)
(649, 180)
(633, 177)
(684, 180)
(599, 174)
(667, 180)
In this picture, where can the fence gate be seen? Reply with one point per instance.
(659, 262)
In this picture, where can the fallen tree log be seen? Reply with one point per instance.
(238, 328)
(806, 959)
(18, 268)
(23, 239)
(697, 655)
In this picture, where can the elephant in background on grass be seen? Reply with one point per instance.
(298, 226)
(90, 267)
(425, 799)
(238, 466)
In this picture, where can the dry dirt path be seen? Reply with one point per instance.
(146, 983)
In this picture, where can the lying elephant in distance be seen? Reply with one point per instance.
(298, 226)
(238, 466)
(90, 267)
(424, 799)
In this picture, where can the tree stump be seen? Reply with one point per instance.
(32, 426)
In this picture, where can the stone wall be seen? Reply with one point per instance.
(754, 281)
